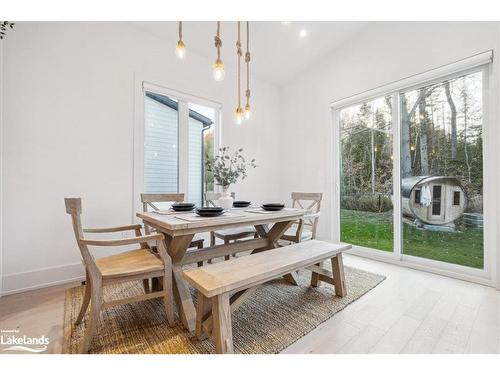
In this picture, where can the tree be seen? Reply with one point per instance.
(406, 117)
(424, 119)
(453, 110)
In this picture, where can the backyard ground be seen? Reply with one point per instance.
(374, 230)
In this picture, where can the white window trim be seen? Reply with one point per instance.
(487, 275)
(142, 85)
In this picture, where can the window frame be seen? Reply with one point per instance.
(487, 275)
(141, 86)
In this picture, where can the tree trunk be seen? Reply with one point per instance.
(453, 110)
(424, 154)
(466, 151)
(405, 139)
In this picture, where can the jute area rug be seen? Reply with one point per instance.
(276, 316)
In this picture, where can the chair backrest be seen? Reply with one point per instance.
(149, 199)
(312, 202)
(74, 208)
(211, 197)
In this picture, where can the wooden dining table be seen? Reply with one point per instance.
(179, 229)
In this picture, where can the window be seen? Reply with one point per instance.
(179, 133)
(428, 208)
(161, 128)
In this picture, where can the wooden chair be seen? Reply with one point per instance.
(227, 235)
(149, 200)
(126, 266)
(305, 229)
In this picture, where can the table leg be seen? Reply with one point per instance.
(183, 300)
(176, 248)
(274, 234)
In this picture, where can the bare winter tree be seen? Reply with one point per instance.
(424, 119)
(453, 110)
(406, 116)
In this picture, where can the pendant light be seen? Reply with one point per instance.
(218, 67)
(180, 50)
(247, 111)
(238, 114)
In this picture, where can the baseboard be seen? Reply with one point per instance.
(41, 278)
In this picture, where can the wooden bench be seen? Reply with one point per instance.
(223, 287)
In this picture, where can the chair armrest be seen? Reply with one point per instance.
(121, 242)
(113, 229)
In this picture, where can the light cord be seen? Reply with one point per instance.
(239, 53)
(247, 61)
(218, 40)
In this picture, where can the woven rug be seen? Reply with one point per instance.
(276, 316)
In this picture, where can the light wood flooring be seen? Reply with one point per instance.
(410, 312)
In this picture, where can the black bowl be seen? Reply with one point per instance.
(273, 205)
(241, 203)
(209, 211)
(183, 206)
(273, 208)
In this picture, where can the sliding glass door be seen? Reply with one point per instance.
(410, 174)
(442, 170)
(366, 214)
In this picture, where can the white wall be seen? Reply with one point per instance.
(68, 131)
(380, 54)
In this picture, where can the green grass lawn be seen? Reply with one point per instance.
(375, 230)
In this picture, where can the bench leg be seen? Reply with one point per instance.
(338, 275)
(223, 333)
(203, 312)
(292, 277)
(315, 277)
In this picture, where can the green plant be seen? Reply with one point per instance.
(227, 168)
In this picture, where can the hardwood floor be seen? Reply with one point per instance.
(410, 312)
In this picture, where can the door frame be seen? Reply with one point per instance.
(487, 275)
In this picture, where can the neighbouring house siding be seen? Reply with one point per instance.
(160, 147)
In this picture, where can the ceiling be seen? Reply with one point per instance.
(278, 52)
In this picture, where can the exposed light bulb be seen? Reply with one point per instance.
(285, 22)
(303, 33)
(238, 116)
(218, 71)
(180, 50)
(247, 112)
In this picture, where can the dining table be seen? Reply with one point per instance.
(179, 229)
